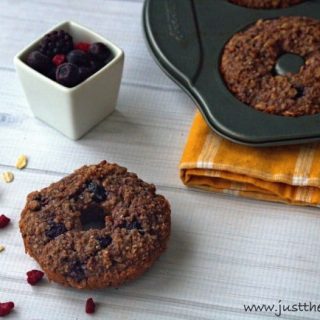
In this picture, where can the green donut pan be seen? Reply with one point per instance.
(187, 37)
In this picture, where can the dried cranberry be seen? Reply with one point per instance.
(6, 308)
(4, 221)
(104, 241)
(34, 276)
(90, 306)
(59, 59)
(55, 230)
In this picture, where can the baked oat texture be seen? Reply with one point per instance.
(131, 227)
(266, 4)
(249, 59)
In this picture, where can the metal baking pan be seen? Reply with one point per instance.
(187, 37)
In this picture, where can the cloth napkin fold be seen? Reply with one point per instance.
(288, 174)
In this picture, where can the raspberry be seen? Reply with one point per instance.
(83, 46)
(90, 306)
(34, 276)
(5, 308)
(4, 221)
(59, 59)
(56, 42)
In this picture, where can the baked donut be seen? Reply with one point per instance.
(249, 59)
(97, 227)
(266, 4)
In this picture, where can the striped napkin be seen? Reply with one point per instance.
(289, 174)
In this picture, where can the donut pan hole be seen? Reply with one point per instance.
(187, 39)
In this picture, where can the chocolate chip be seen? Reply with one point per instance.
(98, 191)
(104, 241)
(77, 271)
(56, 229)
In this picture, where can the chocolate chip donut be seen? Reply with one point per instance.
(249, 59)
(97, 227)
(266, 4)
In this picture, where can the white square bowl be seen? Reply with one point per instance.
(72, 111)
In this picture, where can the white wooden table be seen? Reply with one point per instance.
(224, 252)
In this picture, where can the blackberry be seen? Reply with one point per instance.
(56, 42)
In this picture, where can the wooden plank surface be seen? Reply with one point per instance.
(224, 251)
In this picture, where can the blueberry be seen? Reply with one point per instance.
(134, 225)
(77, 271)
(52, 73)
(67, 74)
(96, 65)
(99, 51)
(104, 241)
(99, 192)
(78, 57)
(84, 73)
(39, 62)
(55, 230)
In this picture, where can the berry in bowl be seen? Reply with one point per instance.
(71, 78)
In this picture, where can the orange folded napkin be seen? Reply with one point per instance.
(288, 174)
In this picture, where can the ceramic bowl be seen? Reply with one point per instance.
(72, 111)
